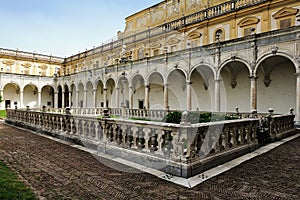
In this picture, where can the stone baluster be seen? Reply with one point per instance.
(147, 137)
(129, 140)
(119, 135)
(153, 140)
(167, 143)
(140, 138)
(135, 137)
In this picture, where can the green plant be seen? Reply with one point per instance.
(205, 117)
(173, 117)
(11, 187)
(2, 114)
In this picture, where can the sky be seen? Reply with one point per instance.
(63, 27)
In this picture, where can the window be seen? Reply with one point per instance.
(285, 17)
(26, 70)
(173, 48)
(193, 43)
(141, 54)
(285, 23)
(247, 31)
(156, 52)
(141, 104)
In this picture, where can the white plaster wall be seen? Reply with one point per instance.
(202, 99)
(99, 95)
(238, 96)
(281, 94)
(177, 91)
(111, 96)
(30, 97)
(156, 96)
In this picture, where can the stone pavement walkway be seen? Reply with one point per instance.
(58, 171)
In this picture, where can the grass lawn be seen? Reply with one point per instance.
(11, 187)
(2, 114)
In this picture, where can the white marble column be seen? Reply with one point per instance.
(77, 99)
(217, 96)
(105, 97)
(253, 93)
(70, 99)
(39, 99)
(117, 102)
(85, 99)
(94, 97)
(166, 97)
(130, 97)
(21, 99)
(188, 96)
(55, 100)
(63, 99)
(147, 88)
(297, 119)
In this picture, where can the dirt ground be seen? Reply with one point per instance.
(58, 171)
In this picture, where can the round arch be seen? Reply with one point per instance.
(11, 95)
(234, 85)
(228, 61)
(269, 55)
(276, 83)
(47, 96)
(30, 96)
(202, 80)
(155, 83)
(110, 92)
(177, 89)
(137, 91)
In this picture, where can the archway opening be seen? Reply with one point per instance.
(177, 92)
(202, 83)
(156, 91)
(235, 87)
(276, 85)
(47, 96)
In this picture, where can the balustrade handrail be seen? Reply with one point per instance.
(197, 17)
(184, 143)
(34, 56)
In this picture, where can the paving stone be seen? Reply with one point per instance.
(58, 171)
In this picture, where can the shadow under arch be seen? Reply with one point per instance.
(235, 90)
(202, 79)
(276, 83)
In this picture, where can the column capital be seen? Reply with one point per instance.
(218, 80)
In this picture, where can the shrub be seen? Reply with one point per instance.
(173, 117)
